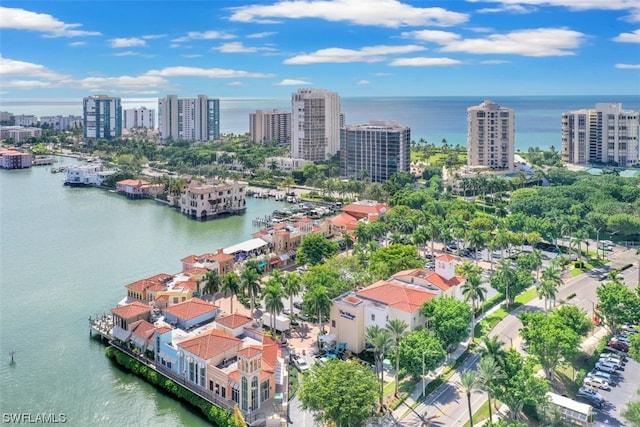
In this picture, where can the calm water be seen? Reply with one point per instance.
(431, 118)
(66, 253)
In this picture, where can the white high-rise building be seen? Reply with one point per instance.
(491, 136)
(102, 117)
(196, 119)
(315, 124)
(606, 134)
(61, 122)
(139, 118)
(379, 148)
(267, 126)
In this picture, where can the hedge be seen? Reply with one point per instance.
(218, 416)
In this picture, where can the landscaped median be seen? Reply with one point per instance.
(218, 416)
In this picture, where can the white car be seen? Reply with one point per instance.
(300, 363)
(608, 367)
(596, 383)
(610, 357)
(602, 375)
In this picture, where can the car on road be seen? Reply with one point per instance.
(596, 382)
(590, 395)
(300, 363)
(608, 367)
(618, 345)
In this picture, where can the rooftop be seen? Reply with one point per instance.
(190, 309)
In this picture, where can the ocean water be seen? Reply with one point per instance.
(538, 118)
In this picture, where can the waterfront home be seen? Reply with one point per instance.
(207, 200)
(142, 333)
(86, 175)
(138, 289)
(242, 369)
(190, 313)
(10, 158)
(219, 262)
(125, 316)
(138, 188)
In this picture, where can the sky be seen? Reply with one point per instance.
(269, 49)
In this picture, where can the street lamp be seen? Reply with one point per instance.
(424, 386)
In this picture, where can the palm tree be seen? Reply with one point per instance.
(273, 294)
(551, 274)
(536, 256)
(506, 276)
(362, 233)
(420, 236)
(488, 372)
(477, 240)
(579, 238)
(469, 383)
(318, 302)
(250, 283)
(546, 289)
(493, 347)
(615, 278)
(381, 343)
(230, 286)
(473, 291)
(467, 268)
(398, 329)
(502, 241)
(292, 287)
(348, 240)
(211, 284)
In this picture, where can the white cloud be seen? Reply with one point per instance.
(76, 44)
(131, 83)
(340, 55)
(382, 74)
(21, 19)
(422, 61)
(204, 35)
(628, 66)
(628, 37)
(536, 42)
(261, 35)
(508, 8)
(572, 4)
(191, 55)
(384, 13)
(440, 37)
(494, 61)
(154, 36)
(27, 84)
(11, 67)
(127, 42)
(126, 53)
(238, 47)
(292, 82)
(236, 84)
(363, 82)
(211, 73)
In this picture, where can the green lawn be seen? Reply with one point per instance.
(480, 415)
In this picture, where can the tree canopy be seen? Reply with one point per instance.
(344, 393)
(314, 249)
(414, 345)
(390, 259)
(448, 318)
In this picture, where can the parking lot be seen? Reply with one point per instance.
(628, 382)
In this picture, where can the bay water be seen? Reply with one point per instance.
(67, 253)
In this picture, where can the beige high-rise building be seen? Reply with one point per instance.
(606, 134)
(315, 124)
(268, 126)
(491, 136)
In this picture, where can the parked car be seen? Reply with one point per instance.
(605, 360)
(596, 383)
(630, 329)
(618, 345)
(608, 367)
(602, 375)
(430, 265)
(592, 396)
(300, 363)
(613, 358)
(298, 305)
(620, 353)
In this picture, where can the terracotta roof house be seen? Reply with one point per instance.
(124, 317)
(138, 289)
(142, 333)
(441, 280)
(191, 313)
(353, 312)
(366, 209)
(138, 188)
(233, 324)
(220, 262)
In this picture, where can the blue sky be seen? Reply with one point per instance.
(268, 49)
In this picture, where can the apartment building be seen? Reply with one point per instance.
(491, 136)
(268, 126)
(139, 118)
(315, 124)
(61, 122)
(195, 119)
(102, 117)
(604, 134)
(377, 149)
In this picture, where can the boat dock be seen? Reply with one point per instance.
(102, 326)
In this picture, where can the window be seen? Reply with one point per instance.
(235, 395)
(254, 393)
(245, 394)
(373, 317)
(333, 323)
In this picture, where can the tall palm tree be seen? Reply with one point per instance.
(467, 268)
(546, 289)
(494, 348)
(273, 294)
(579, 238)
(420, 236)
(230, 286)
(502, 240)
(381, 343)
(536, 256)
(473, 291)
(211, 284)
(488, 371)
(250, 283)
(469, 383)
(551, 274)
(398, 329)
(292, 287)
(433, 230)
(477, 240)
(506, 276)
(318, 302)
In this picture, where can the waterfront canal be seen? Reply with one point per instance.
(65, 254)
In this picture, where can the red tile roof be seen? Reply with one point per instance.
(402, 297)
(430, 276)
(190, 309)
(133, 182)
(142, 328)
(345, 220)
(143, 284)
(250, 351)
(234, 320)
(446, 258)
(130, 311)
(189, 259)
(210, 344)
(163, 330)
(361, 208)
